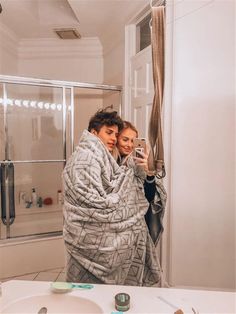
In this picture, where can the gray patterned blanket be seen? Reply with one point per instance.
(105, 234)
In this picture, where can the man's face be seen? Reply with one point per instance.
(108, 135)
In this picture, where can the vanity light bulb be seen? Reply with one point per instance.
(1, 101)
(9, 102)
(33, 103)
(40, 105)
(53, 106)
(46, 105)
(26, 103)
(18, 102)
(59, 107)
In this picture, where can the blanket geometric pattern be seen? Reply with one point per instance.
(105, 233)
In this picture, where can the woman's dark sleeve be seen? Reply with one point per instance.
(150, 189)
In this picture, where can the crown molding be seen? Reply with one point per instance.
(89, 47)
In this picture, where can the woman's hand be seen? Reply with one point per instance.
(143, 161)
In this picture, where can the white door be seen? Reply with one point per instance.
(141, 90)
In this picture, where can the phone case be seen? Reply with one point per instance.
(139, 146)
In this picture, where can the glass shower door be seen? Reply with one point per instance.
(32, 156)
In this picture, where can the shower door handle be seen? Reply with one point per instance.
(7, 172)
(11, 192)
(3, 193)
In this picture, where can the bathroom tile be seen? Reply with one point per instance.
(46, 276)
(26, 277)
(55, 270)
(22, 277)
(7, 279)
(61, 277)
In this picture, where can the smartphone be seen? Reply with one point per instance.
(139, 146)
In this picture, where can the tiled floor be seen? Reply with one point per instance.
(57, 274)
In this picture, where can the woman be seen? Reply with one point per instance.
(153, 188)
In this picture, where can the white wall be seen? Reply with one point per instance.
(202, 178)
(8, 51)
(114, 64)
(114, 59)
(68, 60)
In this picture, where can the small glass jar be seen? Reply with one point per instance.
(122, 302)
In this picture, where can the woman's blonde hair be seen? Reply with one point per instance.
(128, 125)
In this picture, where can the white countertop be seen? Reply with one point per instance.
(142, 299)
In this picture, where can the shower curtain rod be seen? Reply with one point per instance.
(56, 83)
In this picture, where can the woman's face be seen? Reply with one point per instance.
(125, 141)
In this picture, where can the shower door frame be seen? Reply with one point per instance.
(66, 86)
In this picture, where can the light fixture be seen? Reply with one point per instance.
(32, 104)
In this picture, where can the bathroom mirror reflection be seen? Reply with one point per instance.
(41, 123)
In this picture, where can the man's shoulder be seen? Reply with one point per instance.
(81, 155)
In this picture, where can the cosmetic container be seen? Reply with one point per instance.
(59, 197)
(122, 302)
(34, 197)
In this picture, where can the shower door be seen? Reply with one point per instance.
(32, 156)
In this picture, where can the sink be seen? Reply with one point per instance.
(55, 303)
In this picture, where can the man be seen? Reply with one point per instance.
(105, 233)
(106, 126)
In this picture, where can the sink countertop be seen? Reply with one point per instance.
(142, 299)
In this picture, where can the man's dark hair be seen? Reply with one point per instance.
(103, 117)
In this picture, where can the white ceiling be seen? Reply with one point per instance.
(92, 18)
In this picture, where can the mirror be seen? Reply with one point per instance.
(198, 245)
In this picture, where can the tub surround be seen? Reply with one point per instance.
(142, 299)
(33, 256)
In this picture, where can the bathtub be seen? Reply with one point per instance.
(31, 254)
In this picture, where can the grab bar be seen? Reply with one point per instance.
(3, 193)
(7, 174)
(11, 192)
